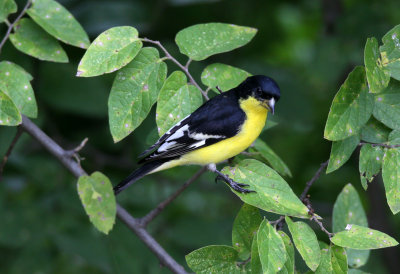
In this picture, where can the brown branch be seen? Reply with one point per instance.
(156, 211)
(122, 214)
(313, 179)
(10, 27)
(378, 145)
(10, 148)
(182, 67)
(321, 225)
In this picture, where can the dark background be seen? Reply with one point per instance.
(308, 46)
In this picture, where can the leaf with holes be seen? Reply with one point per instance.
(341, 152)
(223, 76)
(364, 238)
(134, 92)
(370, 163)
(351, 108)
(98, 200)
(378, 76)
(59, 22)
(288, 267)
(245, 227)
(272, 194)
(7, 7)
(14, 82)
(203, 40)
(391, 178)
(9, 114)
(265, 154)
(110, 51)
(213, 259)
(271, 248)
(375, 132)
(34, 41)
(176, 100)
(387, 105)
(348, 210)
(306, 242)
(390, 51)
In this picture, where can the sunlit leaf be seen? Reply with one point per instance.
(255, 262)
(203, 40)
(98, 200)
(390, 51)
(375, 132)
(7, 7)
(134, 92)
(176, 100)
(110, 51)
(348, 210)
(325, 265)
(14, 82)
(351, 108)
(370, 163)
(338, 259)
(34, 41)
(341, 152)
(245, 227)
(9, 114)
(272, 194)
(271, 248)
(387, 105)
(391, 178)
(359, 237)
(378, 76)
(59, 22)
(288, 267)
(224, 76)
(306, 242)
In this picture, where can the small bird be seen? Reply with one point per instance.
(218, 130)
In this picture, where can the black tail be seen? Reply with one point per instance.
(137, 174)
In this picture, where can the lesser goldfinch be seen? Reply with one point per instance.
(218, 130)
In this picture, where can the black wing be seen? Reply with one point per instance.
(216, 120)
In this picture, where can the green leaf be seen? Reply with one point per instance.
(98, 200)
(359, 237)
(325, 265)
(370, 163)
(390, 52)
(134, 92)
(375, 132)
(59, 22)
(213, 259)
(394, 137)
(348, 210)
(288, 267)
(245, 227)
(110, 51)
(341, 152)
(176, 100)
(356, 271)
(255, 262)
(224, 76)
(387, 105)
(273, 194)
(268, 156)
(306, 242)
(338, 259)
(203, 40)
(15, 83)
(7, 7)
(378, 76)
(34, 41)
(351, 108)
(391, 178)
(9, 114)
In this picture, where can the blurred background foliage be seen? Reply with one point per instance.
(308, 46)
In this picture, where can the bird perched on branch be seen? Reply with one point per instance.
(218, 130)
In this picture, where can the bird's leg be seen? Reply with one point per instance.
(232, 184)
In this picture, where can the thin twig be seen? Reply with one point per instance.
(122, 214)
(10, 148)
(156, 211)
(378, 145)
(313, 179)
(75, 152)
(182, 67)
(188, 63)
(321, 225)
(10, 27)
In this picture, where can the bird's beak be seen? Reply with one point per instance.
(271, 105)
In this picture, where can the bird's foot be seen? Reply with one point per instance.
(231, 183)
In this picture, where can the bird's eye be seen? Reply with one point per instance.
(267, 97)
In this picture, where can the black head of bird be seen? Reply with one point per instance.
(261, 87)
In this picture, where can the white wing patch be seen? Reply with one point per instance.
(178, 134)
(202, 136)
(198, 144)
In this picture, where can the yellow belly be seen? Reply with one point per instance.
(256, 116)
